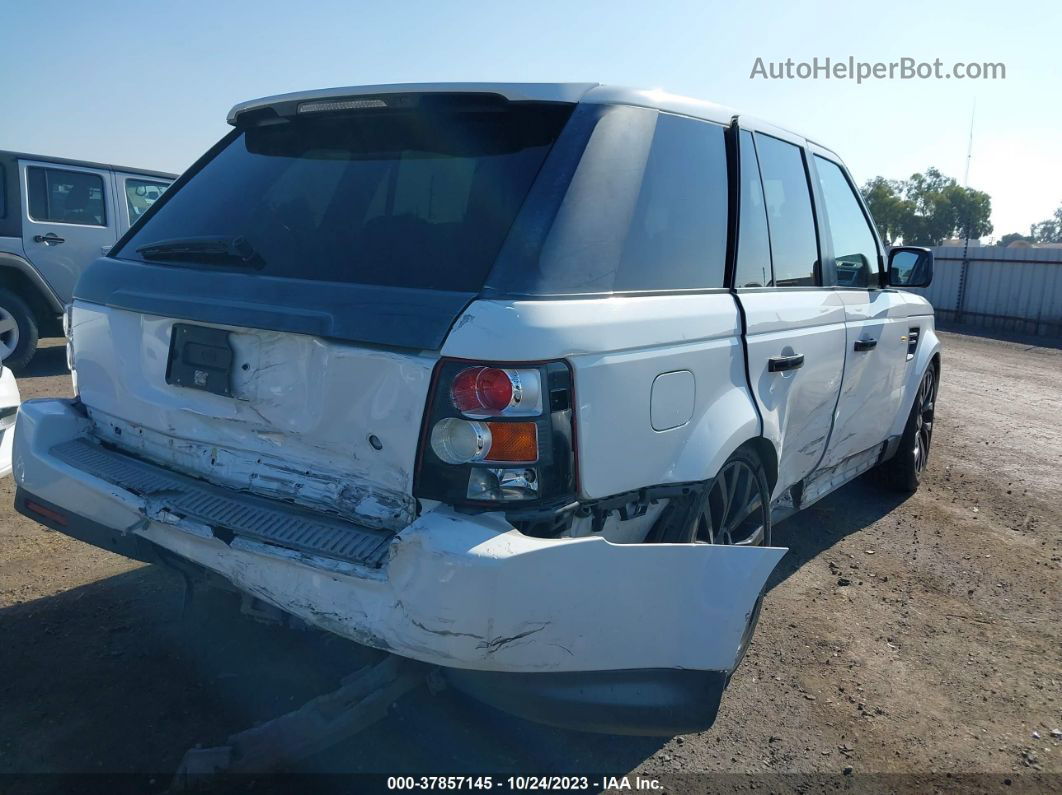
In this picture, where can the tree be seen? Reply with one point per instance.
(1010, 237)
(1049, 231)
(886, 205)
(927, 208)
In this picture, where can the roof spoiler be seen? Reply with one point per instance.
(398, 95)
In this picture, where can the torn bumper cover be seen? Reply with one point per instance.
(635, 638)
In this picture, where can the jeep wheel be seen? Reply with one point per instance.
(903, 471)
(18, 331)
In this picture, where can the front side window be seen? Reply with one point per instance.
(855, 250)
(140, 194)
(404, 198)
(754, 248)
(66, 197)
(794, 243)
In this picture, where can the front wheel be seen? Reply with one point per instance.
(903, 472)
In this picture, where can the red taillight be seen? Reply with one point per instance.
(497, 433)
(482, 389)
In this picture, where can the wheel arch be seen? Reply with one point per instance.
(768, 455)
(19, 276)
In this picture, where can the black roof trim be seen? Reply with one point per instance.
(67, 161)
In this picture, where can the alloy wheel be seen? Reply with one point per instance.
(924, 420)
(735, 512)
(8, 334)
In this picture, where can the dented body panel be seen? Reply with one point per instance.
(456, 590)
(297, 426)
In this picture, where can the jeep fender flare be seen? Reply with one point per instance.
(41, 295)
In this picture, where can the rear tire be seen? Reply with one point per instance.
(734, 509)
(18, 331)
(903, 472)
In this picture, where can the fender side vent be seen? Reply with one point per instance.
(912, 341)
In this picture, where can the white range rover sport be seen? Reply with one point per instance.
(510, 379)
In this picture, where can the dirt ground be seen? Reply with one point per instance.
(900, 637)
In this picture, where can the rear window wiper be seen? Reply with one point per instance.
(208, 250)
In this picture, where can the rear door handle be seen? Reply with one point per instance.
(50, 239)
(779, 364)
(865, 345)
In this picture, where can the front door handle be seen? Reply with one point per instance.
(865, 345)
(50, 239)
(779, 364)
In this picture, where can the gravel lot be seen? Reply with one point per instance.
(917, 637)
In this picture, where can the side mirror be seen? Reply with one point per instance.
(910, 266)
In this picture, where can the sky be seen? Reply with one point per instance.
(148, 84)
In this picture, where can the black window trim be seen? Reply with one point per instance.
(90, 172)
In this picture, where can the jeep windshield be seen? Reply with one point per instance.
(418, 198)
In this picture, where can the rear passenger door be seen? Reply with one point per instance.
(876, 318)
(795, 327)
(68, 221)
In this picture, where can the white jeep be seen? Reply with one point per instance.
(509, 379)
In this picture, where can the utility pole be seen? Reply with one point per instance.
(961, 299)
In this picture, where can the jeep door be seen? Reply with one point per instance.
(795, 325)
(69, 220)
(876, 318)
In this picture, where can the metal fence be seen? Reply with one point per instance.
(1006, 289)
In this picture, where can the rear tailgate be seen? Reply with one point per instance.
(323, 424)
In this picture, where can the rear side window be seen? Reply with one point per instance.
(3, 193)
(67, 197)
(794, 247)
(676, 239)
(632, 199)
(855, 250)
(140, 194)
(403, 198)
(754, 248)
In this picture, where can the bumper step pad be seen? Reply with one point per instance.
(241, 514)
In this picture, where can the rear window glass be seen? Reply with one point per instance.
(396, 198)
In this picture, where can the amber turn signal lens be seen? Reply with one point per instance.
(515, 442)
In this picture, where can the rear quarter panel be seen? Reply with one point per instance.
(617, 347)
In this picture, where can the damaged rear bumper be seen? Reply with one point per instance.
(637, 638)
